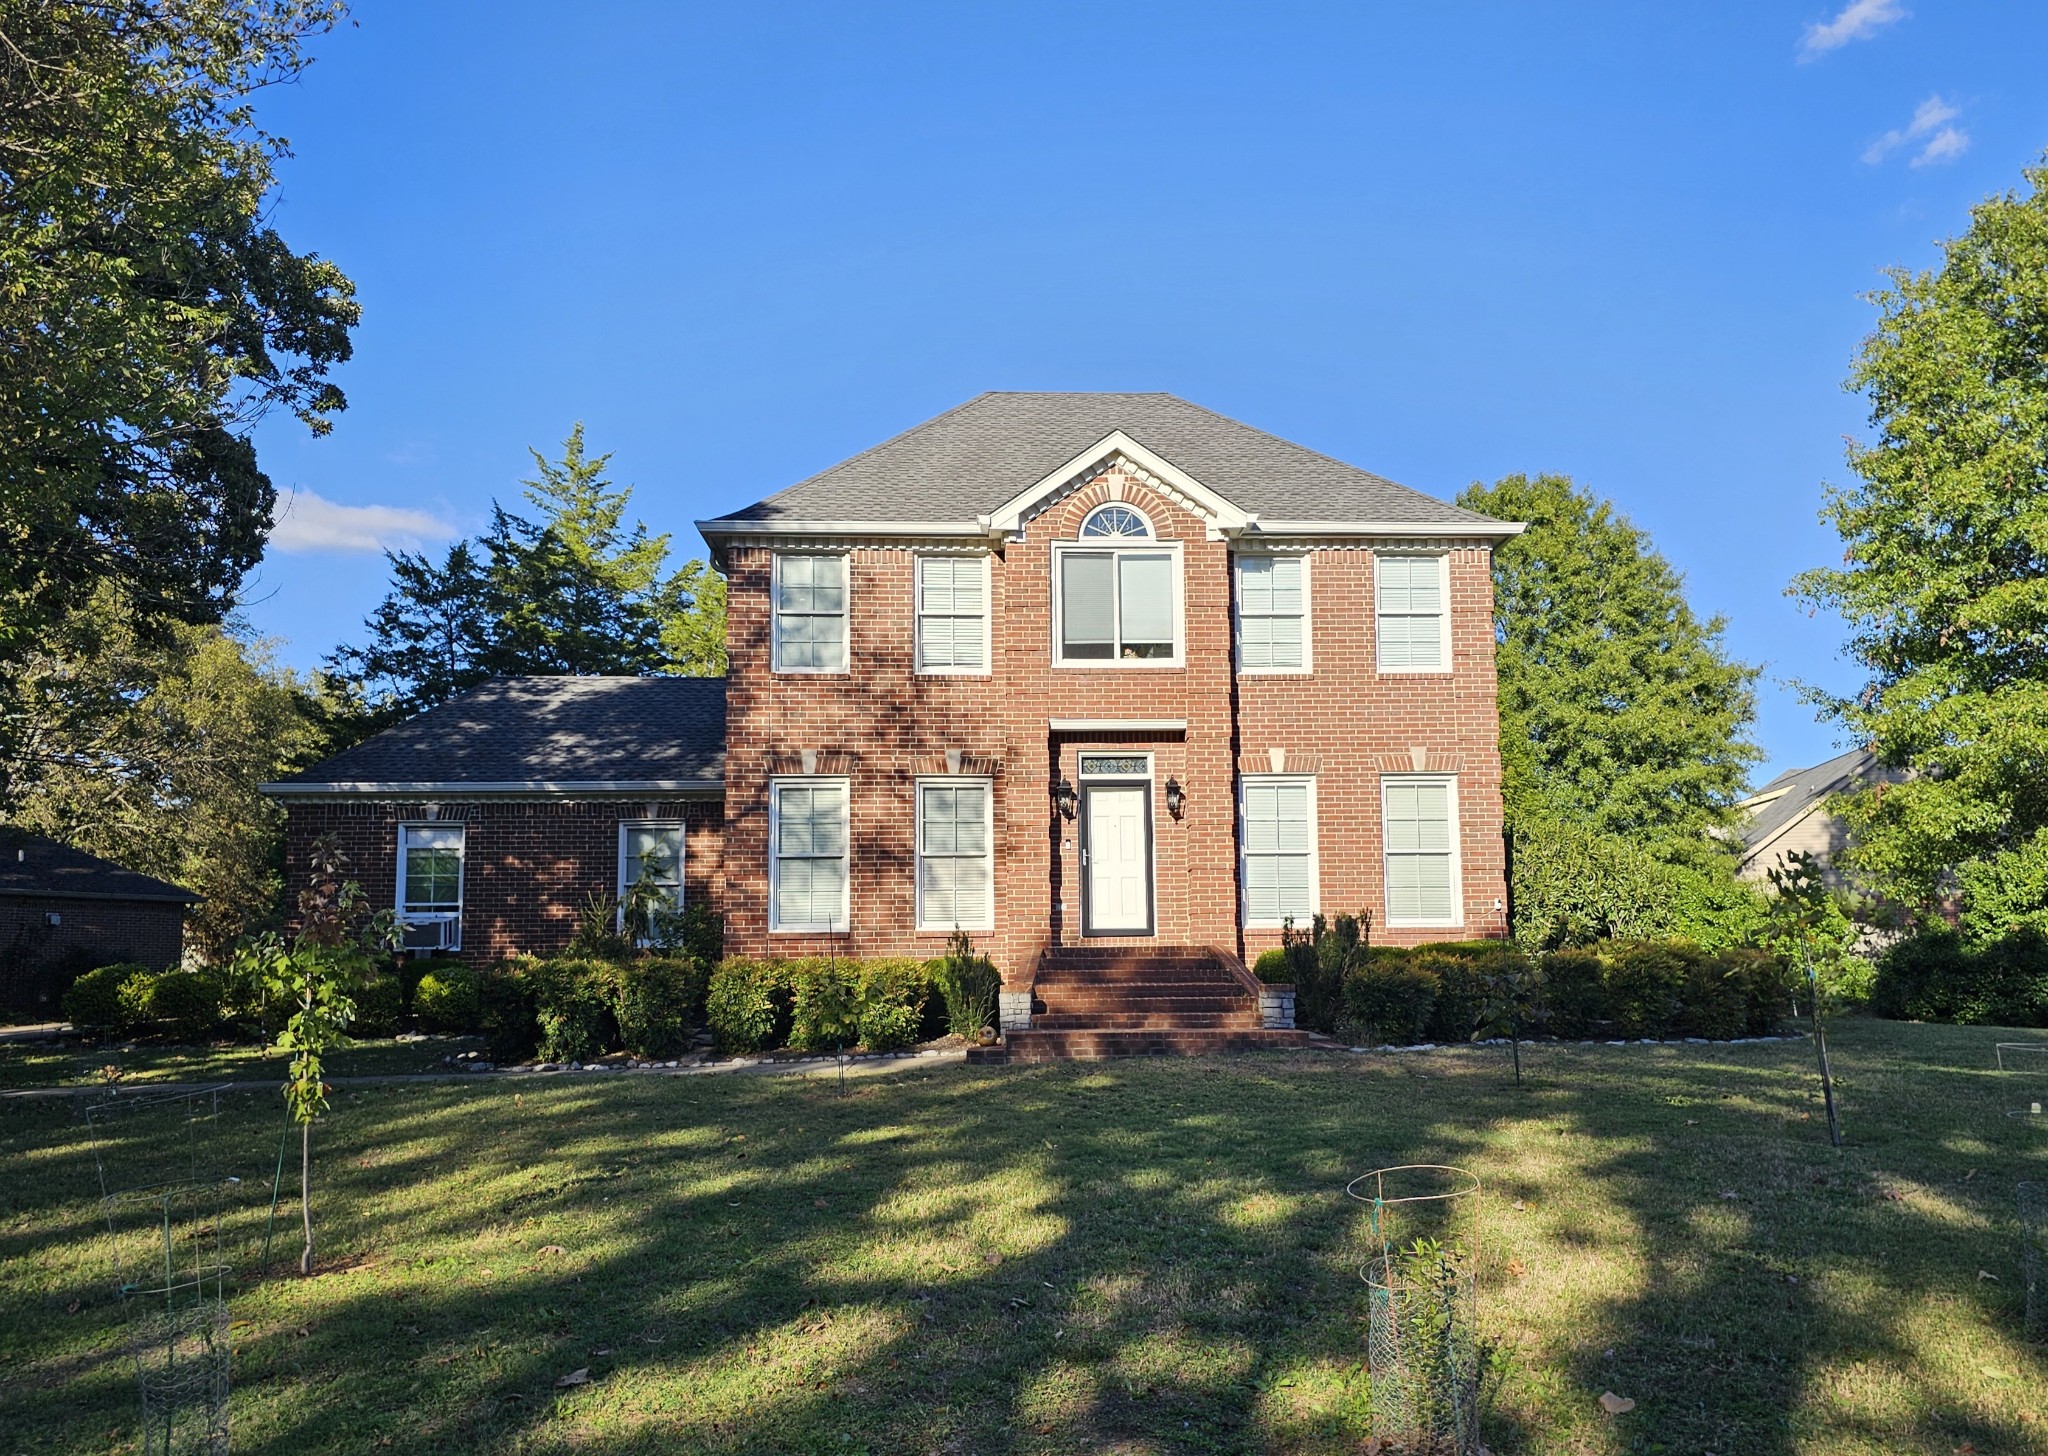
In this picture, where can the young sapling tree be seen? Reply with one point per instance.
(1810, 929)
(336, 949)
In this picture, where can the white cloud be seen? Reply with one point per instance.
(1944, 146)
(1929, 130)
(1859, 20)
(310, 522)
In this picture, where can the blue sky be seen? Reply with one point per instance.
(1625, 242)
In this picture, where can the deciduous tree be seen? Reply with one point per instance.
(147, 748)
(149, 312)
(1944, 576)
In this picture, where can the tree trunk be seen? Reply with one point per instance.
(306, 1194)
(1827, 1080)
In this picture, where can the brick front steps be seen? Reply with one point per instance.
(1136, 1001)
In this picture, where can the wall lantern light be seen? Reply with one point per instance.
(1176, 797)
(1065, 799)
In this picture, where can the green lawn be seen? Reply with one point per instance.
(1135, 1257)
(80, 1064)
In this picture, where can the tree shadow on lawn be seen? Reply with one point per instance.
(1136, 1257)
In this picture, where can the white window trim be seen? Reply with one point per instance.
(1308, 649)
(682, 859)
(1457, 854)
(775, 617)
(841, 922)
(431, 917)
(1117, 546)
(988, 804)
(1443, 567)
(1315, 850)
(917, 616)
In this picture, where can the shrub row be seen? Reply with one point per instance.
(128, 998)
(818, 1004)
(1936, 976)
(1439, 992)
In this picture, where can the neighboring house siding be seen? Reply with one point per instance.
(529, 866)
(882, 726)
(1815, 832)
(38, 960)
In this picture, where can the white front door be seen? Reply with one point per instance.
(1119, 853)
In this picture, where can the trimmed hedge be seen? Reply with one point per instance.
(1935, 976)
(811, 1003)
(449, 998)
(1639, 990)
(505, 1009)
(94, 999)
(655, 1000)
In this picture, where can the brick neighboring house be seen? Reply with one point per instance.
(63, 911)
(1090, 676)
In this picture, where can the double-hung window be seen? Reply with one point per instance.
(1279, 850)
(952, 614)
(430, 885)
(1413, 592)
(650, 869)
(1420, 819)
(1114, 602)
(807, 855)
(1272, 613)
(810, 613)
(955, 865)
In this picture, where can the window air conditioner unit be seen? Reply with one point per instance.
(432, 935)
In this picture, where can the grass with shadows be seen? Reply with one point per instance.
(1135, 1257)
(74, 1063)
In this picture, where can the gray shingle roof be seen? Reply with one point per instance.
(975, 457)
(546, 730)
(33, 865)
(1802, 788)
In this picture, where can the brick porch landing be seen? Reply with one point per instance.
(1138, 1001)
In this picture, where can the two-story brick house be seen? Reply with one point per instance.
(1066, 671)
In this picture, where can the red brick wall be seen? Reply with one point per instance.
(38, 960)
(529, 865)
(882, 726)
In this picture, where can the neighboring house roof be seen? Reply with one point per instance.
(31, 865)
(1792, 795)
(965, 465)
(541, 735)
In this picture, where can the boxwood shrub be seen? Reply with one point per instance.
(449, 998)
(654, 999)
(1646, 989)
(94, 999)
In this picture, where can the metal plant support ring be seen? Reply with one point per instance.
(1422, 1341)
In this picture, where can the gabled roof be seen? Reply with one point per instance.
(512, 735)
(31, 865)
(963, 467)
(1787, 798)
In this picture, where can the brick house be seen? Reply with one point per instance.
(63, 912)
(1090, 676)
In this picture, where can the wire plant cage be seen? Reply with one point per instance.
(1422, 1337)
(2033, 1201)
(2023, 1077)
(164, 1204)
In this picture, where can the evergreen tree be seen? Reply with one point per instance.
(1620, 711)
(573, 590)
(1944, 581)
